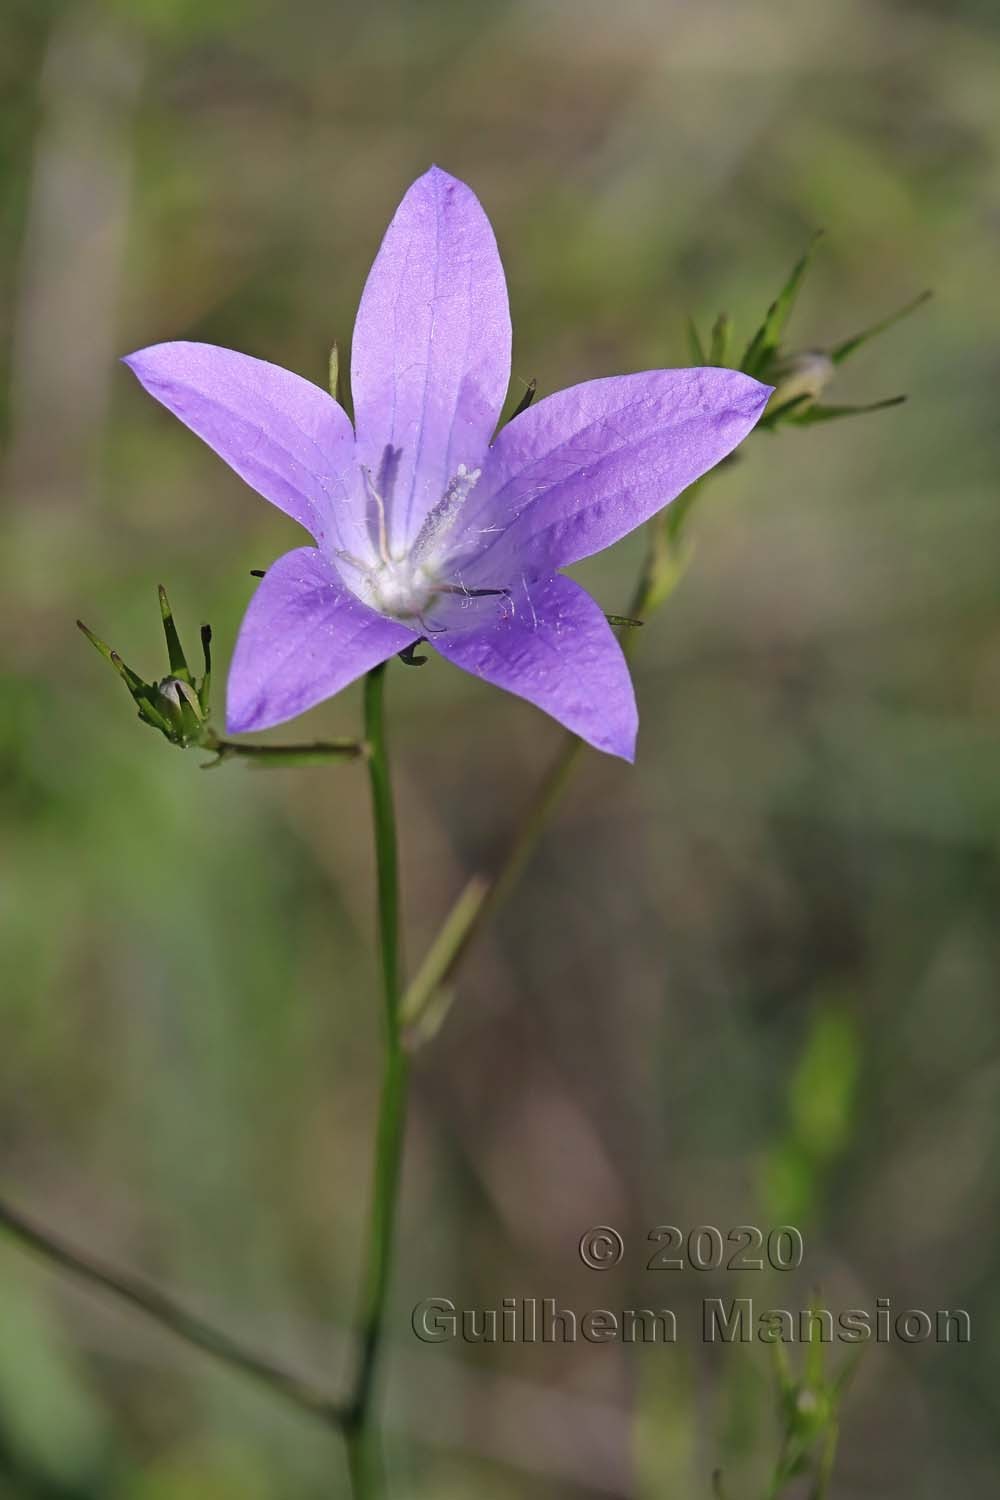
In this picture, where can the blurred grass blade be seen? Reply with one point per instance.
(845, 1375)
(834, 413)
(722, 332)
(695, 345)
(175, 651)
(814, 1359)
(828, 1458)
(847, 348)
(765, 341)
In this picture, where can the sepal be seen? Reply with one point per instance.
(178, 704)
(800, 377)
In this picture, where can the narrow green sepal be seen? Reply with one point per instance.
(205, 687)
(834, 413)
(334, 372)
(95, 641)
(784, 412)
(176, 706)
(624, 621)
(850, 346)
(151, 715)
(765, 341)
(175, 651)
(132, 681)
(526, 399)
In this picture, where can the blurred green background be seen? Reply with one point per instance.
(753, 980)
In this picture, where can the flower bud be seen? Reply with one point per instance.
(177, 705)
(801, 377)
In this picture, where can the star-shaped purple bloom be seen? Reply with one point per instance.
(423, 527)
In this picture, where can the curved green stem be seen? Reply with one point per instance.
(427, 997)
(364, 1460)
(318, 752)
(429, 994)
(162, 1309)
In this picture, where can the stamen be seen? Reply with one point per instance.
(442, 518)
(383, 538)
(460, 588)
(352, 561)
(534, 617)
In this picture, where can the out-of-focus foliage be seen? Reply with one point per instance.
(752, 981)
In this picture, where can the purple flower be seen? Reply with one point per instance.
(423, 527)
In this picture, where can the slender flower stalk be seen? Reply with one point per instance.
(142, 1296)
(314, 753)
(364, 1458)
(429, 994)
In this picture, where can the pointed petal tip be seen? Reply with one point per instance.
(623, 751)
(438, 183)
(618, 741)
(758, 392)
(627, 755)
(138, 357)
(750, 396)
(436, 173)
(438, 179)
(621, 742)
(142, 362)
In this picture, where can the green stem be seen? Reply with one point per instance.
(155, 1304)
(426, 999)
(428, 995)
(319, 752)
(364, 1460)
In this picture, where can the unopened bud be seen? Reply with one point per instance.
(801, 377)
(177, 705)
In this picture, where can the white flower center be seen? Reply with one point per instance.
(403, 589)
(406, 586)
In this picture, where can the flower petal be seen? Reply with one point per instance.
(582, 468)
(303, 638)
(551, 644)
(285, 436)
(430, 361)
